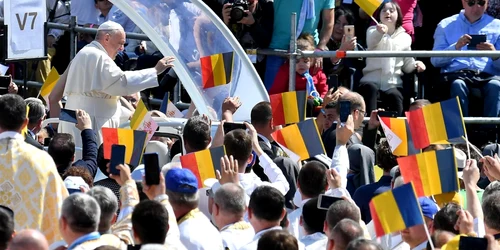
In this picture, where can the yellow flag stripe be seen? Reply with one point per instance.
(290, 107)
(398, 126)
(386, 207)
(205, 166)
(294, 141)
(218, 69)
(126, 138)
(429, 173)
(139, 114)
(434, 123)
(369, 6)
(49, 83)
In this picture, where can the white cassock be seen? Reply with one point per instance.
(95, 84)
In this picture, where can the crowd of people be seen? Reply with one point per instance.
(54, 197)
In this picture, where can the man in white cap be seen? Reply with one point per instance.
(94, 83)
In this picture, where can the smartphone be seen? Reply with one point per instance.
(151, 169)
(472, 243)
(46, 142)
(345, 111)
(117, 158)
(392, 114)
(349, 32)
(4, 84)
(325, 201)
(475, 40)
(68, 115)
(229, 126)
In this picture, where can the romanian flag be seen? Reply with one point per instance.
(288, 107)
(436, 123)
(204, 163)
(302, 138)
(369, 6)
(217, 70)
(398, 135)
(396, 210)
(432, 173)
(139, 115)
(134, 141)
(49, 84)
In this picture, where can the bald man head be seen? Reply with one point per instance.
(29, 240)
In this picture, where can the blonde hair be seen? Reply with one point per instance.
(305, 42)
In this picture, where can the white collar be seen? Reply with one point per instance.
(268, 143)
(11, 134)
(259, 234)
(314, 237)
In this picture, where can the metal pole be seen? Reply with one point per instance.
(72, 37)
(177, 92)
(293, 51)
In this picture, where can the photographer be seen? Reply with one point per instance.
(251, 22)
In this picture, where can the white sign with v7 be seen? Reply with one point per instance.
(25, 20)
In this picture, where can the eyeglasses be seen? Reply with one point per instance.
(362, 111)
(473, 2)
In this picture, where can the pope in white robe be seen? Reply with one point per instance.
(94, 83)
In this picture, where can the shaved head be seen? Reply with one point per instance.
(29, 239)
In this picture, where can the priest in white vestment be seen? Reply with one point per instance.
(94, 83)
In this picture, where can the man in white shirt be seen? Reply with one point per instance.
(265, 211)
(228, 210)
(311, 183)
(239, 144)
(94, 83)
(312, 221)
(197, 233)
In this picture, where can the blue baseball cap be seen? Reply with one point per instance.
(181, 180)
(428, 206)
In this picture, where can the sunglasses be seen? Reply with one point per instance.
(473, 2)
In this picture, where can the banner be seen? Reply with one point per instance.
(26, 36)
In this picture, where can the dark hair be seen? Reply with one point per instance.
(238, 143)
(197, 133)
(446, 218)
(491, 210)
(346, 231)
(399, 21)
(313, 218)
(341, 210)
(346, 13)
(150, 222)
(261, 114)
(361, 243)
(267, 203)
(101, 162)
(277, 240)
(312, 179)
(354, 98)
(79, 171)
(284, 221)
(6, 227)
(12, 112)
(385, 159)
(62, 149)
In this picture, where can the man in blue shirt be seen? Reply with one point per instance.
(455, 33)
(308, 13)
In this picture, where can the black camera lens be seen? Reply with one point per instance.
(237, 13)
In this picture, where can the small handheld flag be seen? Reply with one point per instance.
(288, 107)
(133, 140)
(302, 138)
(398, 135)
(204, 163)
(436, 123)
(217, 70)
(49, 84)
(369, 6)
(395, 210)
(432, 173)
(139, 115)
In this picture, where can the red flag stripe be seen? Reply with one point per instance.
(277, 109)
(110, 137)
(190, 162)
(207, 73)
(409, 167)
(379, 231)
(418, 128)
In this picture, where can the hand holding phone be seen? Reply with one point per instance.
(4, 84)
(151, 169)
(68, 115)
(349, 32)
(345, 111)
(325, 201)
(472, 243)
(476, 40)
(117, 158)
(229, 126)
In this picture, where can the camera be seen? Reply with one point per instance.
(238, 10)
